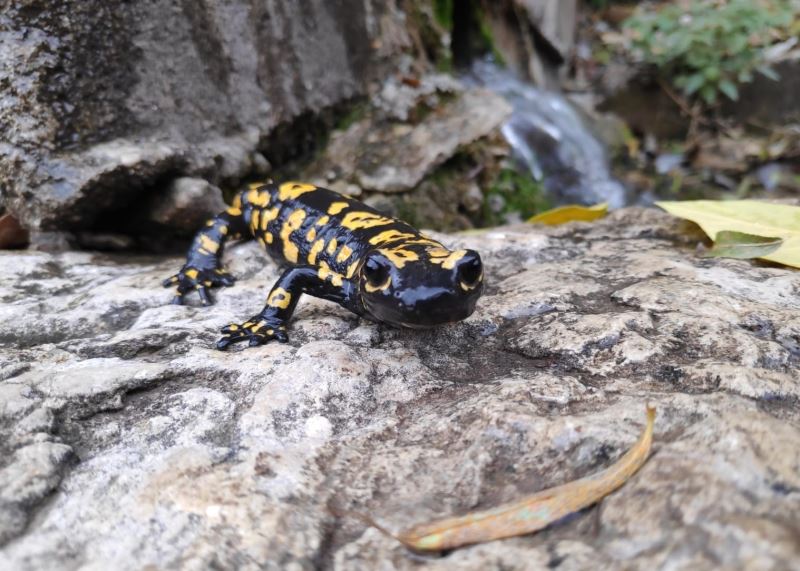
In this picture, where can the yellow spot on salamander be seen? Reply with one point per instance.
(234, 211)
(223, 230)
(389, 236)
(312, 235)
(191, 274)
(293, 222)
(450, 261)
(268, 238)
(438, 253)
(257, 198)
(399, 257)
(292, 190)
(268, 216)
(280, 298)
(323, 220)
(332, 245)
(254, 219)
(343, 254)
(316, 248)
(351, 269)
(325, 272)
(360, 220)
(209, 244)
(337, 207)
(237, 201)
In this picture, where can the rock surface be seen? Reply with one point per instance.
(103, 100)
(386, 155)
(186, 204)
(127, 442)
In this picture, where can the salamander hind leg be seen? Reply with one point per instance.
(191, 278)
(203, 268)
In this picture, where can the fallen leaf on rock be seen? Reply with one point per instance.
(732, 244)
(528, 514)
(570, 213)
(752, 217)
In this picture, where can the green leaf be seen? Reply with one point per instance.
(728, 88)
(743, 246)
(749, 217)
(768, 72)
(694, 83)
(709, 94)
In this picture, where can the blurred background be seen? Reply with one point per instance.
(126, 124)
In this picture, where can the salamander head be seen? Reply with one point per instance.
(421, 286)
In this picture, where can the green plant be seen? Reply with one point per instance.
(710, 47)
(520, 193)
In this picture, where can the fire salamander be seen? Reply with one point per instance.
(338, 249)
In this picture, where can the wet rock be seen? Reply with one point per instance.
(180, 89)
(128, 441)
(534, 37)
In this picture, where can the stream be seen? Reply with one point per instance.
(551, 140)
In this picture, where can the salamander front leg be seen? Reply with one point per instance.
(282, 300)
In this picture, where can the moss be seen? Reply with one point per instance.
(443, 11)
(408, 212)
(354, 115)
(487, 38)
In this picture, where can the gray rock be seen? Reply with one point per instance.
(387, 156)
(398, 101)
(127, 441)
(103, 100)
(186, 204)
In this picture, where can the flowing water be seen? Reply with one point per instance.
(550, 139)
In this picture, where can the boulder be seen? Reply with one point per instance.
(127, 441)
(105, 101)
(411, 131)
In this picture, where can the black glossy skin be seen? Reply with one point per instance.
(338, 249)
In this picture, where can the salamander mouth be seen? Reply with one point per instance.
(421, 318)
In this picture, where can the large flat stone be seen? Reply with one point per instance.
(127, 441)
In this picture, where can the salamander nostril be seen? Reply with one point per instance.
(470, 271)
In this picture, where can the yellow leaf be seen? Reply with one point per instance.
(570, 213)
(748, 216)
(528, 514)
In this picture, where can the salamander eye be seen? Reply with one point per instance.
(470, 270)
(376, 273)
